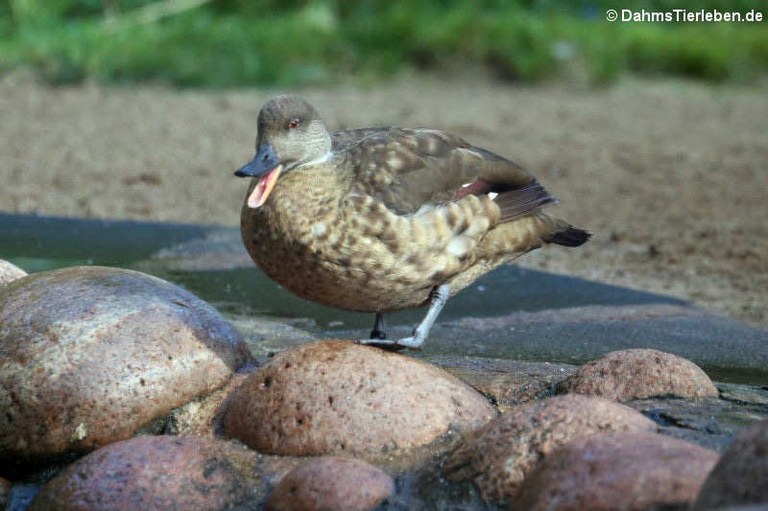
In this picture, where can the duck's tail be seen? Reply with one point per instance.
(523, 201)
(568, 237)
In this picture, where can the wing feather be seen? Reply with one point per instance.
(407, 169)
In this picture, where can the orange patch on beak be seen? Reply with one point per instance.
(264, 187)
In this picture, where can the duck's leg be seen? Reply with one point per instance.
(379, 331)
(437, 299)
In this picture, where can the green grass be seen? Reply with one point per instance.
(263, 42)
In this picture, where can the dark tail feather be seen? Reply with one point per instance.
(526, 200)
(568, 237)
(523, 201)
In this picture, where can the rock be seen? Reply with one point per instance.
(507, 383)
(265, 337)
(335, 396)
(10, 272)
(501, 454)
(628, 471)
(748, 395)
(637, 374)
(91, 354)
(341, 484)
(741, 475)
(708, 422)
(202, 417)
(158, 472)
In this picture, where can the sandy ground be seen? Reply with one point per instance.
(671, 177)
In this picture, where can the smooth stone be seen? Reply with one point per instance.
(741, 475)
(748, 395)
(709, 422)
(341, 484)
(339, 397)
(500, 455)
(157, 473)
(638, 374)
(627, 471)
(10, 272)
(92, 354)
(507, 383)
(202, 417)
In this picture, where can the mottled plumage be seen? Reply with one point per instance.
(382, 219)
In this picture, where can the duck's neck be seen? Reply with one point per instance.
(306, 192)
(317, 161)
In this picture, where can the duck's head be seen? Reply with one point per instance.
(290, 134)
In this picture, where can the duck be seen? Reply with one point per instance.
(383, 219)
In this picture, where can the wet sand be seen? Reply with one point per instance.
(670, 176)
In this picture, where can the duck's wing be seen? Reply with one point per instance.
(407, 169)
(343, 139)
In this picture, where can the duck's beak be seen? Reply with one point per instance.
(265, 166)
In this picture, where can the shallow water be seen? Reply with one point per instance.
(44, 243)
(215, 267)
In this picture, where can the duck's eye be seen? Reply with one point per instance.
(294, 123)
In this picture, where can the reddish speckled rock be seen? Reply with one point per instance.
(741, 475)
(88, 355)
(202, 417)
(617, 471)
(333, 396)
(157, 473)
(501, 454)
(637, 374)
(10, 272)
(340, 484)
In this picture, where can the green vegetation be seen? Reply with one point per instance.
(223, 43)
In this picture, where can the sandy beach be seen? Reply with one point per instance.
(670, 176)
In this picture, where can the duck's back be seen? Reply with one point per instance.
(408, 169)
